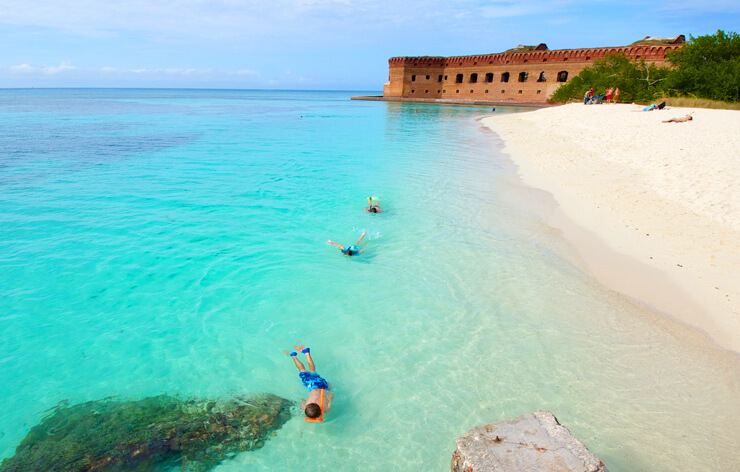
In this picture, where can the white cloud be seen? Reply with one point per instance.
(687, 6)
(30, 69)
(46, 70)
(194, 17)
(296, 20)
(251, 18)
(64, 66)
(22, 68)
(168, 71)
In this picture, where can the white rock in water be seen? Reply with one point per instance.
(534, 442)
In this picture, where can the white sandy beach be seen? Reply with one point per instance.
(652, 208)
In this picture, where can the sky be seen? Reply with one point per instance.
(307, 44)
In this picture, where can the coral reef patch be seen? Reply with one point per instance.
(156, 433)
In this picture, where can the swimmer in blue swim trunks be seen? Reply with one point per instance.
(319, 390)
(353, 250)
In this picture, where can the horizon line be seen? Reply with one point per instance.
(189, 88)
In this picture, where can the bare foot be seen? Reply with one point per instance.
(299, 348)
(286, 353)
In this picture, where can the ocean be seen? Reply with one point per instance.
(174, 241)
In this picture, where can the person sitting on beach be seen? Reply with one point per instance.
(320, 394)
(350, 251)
(373, 205)
(679, 120)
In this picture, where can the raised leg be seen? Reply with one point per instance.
(298, 364)
(329, 241)
(311, 366)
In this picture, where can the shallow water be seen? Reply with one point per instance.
(174, 241)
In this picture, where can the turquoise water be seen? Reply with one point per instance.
(174, 241)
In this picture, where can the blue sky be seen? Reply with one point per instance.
(306, 44)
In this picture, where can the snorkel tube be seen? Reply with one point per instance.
(320, 419)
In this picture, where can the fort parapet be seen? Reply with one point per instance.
(522, 75)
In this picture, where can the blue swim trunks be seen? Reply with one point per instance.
(312, 381)
(351, 251)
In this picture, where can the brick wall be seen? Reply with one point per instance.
(532, 76)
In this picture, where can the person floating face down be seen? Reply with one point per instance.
(373, 205)
(353, 250)
(320, 393)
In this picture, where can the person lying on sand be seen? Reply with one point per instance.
(320, 394)
(350, 251)
(655, 107)
(679, 120)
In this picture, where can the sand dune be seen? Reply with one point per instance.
(653, 208)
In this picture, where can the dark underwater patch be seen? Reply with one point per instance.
(156, 433)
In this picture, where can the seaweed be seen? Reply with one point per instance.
(155, 433)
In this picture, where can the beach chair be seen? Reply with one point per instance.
(595, 100)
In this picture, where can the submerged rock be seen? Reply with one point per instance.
(156, 433)
(535, 442)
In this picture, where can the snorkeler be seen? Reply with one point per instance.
(373, 206)
(350, 251)
(319, 390)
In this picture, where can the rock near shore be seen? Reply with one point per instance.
(535, 442)
(156, 433)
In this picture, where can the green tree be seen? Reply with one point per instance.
(637, 81)
(707, 67)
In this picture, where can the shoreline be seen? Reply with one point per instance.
(647, 206)
(451, 101)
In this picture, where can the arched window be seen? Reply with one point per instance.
(542, 77)
(563, 76)
(458, 79)
(523, 76)
(505, 77)
(473, 78)
(489, 77)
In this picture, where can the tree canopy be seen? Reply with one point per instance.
(708, 67)
(705, 67)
